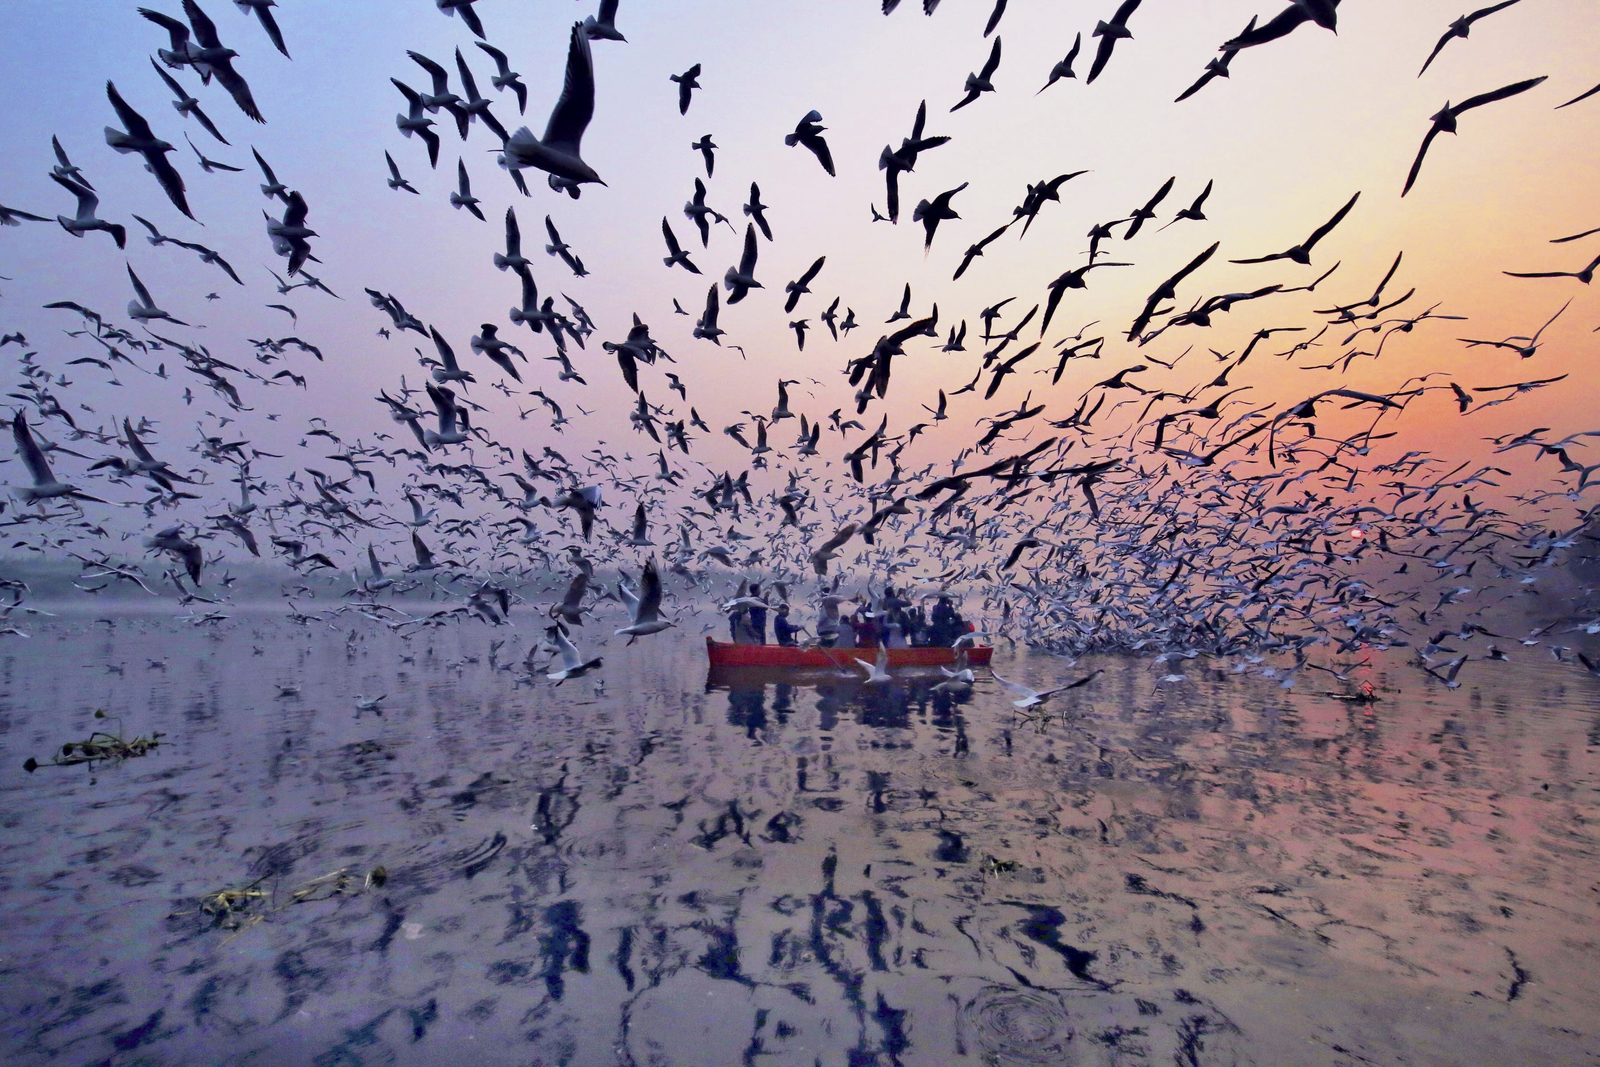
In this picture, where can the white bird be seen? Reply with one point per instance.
(645, 608)
(84, 219)
(144, 309)
(366, 703)
(45, 486)
(1032, 698)
(878, 672)
(558, 152)
(603, 27)
(573, 665)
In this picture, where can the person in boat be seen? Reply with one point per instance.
(865, 625)
(783, 630)
(742, 630)
(758, 615)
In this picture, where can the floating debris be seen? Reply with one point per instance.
(98, 747)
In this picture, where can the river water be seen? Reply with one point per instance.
(662, 870)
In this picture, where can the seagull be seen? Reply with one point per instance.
(707, 149)
(139, 138)
(64, 167)
(558, 152)
(144, 310)
(1445, 120)
(1301, 253)
(797, 289)
(808, 132)
(877, 672)
(262, 9)
(688, 82)
(573, 665)
(558, 247)
(1586, 275)
(414, 121)
(932, 212)
(489, 344)
(706, 328)
(273, 187)
(757, 211)
(172, 540)
(476, 106)
(289, 234)
(603, 27)
(85, 220)
(1322, 12)
(187, 105)
(395, 180)
(504, 77)
(676, 255)
(1110, 33)
(1063, 69)
(468, 15)
(10, 216)
(513, 259)
(210, 166)
(1031, 698)
(1462, 28)
(644, 610)
(45, 486)
(982, 82)
(441, 95)
(205, 54)
(830, 548)
(463, 196)
(703, 214)
(1216, 67)
(741, 279)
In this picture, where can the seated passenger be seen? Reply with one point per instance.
(783, 629)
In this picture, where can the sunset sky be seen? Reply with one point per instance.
(1303, 124)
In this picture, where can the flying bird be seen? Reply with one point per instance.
(1462, 28)
(932, 212)
(84, 219)
(263, 13)
(138, 137)
(741, 279)
(1063, 69)
(205, 53)
(395, 180)
(1324, 13)
(187, 105)
(558, 151)
(688, 82)
(676, 256)
(1445, 120)
(1301, 253)
(462, 197)
(808, 132)
(415, 122)
(707, 149)
(1110, 33)
(504, 77)
(797, 289)
(983, 81)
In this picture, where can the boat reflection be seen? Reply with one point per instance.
(916, 697)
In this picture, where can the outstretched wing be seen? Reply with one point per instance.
(575, 108)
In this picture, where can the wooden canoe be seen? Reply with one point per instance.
(723, 654)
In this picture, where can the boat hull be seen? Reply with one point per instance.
(781, 657)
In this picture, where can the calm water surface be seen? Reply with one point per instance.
(1210, 872)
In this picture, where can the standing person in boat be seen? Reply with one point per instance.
(828, 625)
(758, 615)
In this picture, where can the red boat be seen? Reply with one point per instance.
(786, 657)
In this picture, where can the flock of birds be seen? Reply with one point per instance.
(1157, 510)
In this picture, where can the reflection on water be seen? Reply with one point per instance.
(668, 869)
